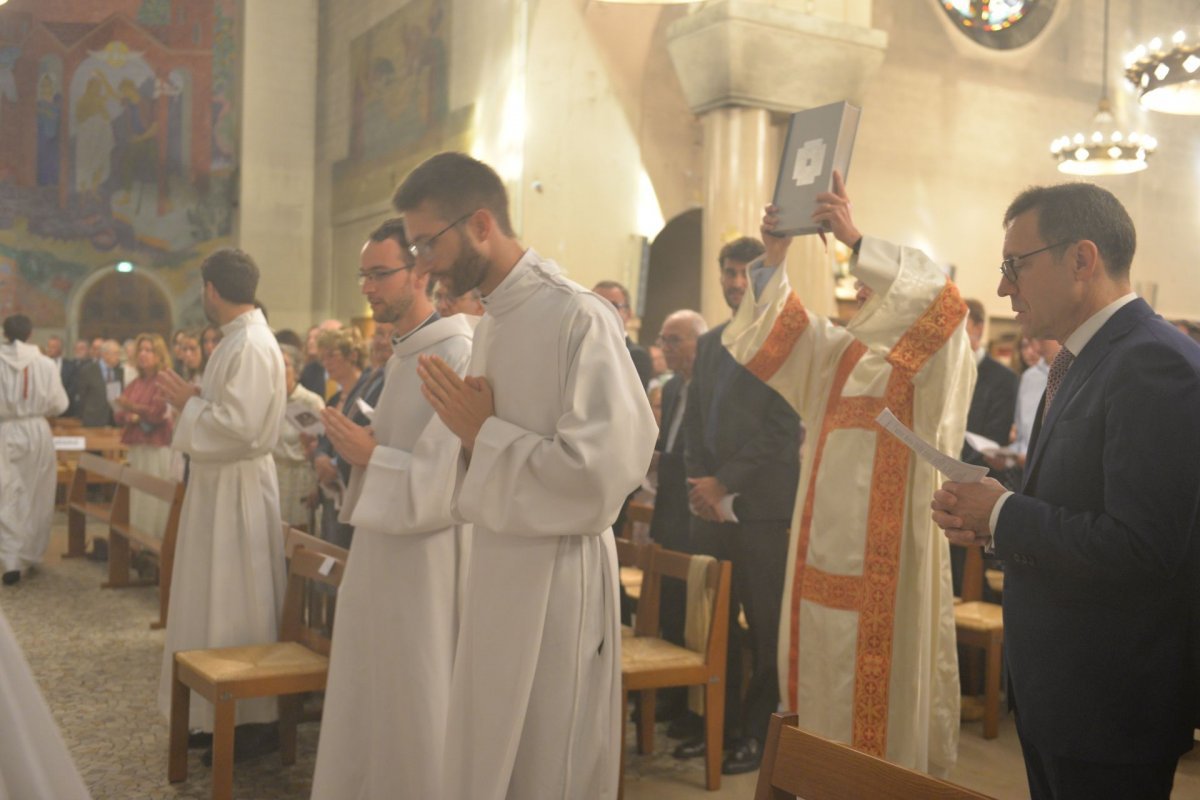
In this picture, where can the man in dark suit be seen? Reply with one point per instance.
(1100, 593)
(91, 398)
(670, 524)
(618, 295)
(743, 444)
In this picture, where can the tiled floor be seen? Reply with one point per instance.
(98, 664)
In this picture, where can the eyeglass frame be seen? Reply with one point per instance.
(377, 276)
(1008, 267)
(424, 250)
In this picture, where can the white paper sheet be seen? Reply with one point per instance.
(304, 418)
(366, 409)
(952, 468)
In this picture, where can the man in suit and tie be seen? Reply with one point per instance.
(92, 385)
(669, 527)
(1100, 594)
(743, 466)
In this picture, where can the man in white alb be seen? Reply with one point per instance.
(30, 391)
(229, 578)
(383, 726)
(555, 432)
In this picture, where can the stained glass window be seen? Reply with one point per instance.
(1000, 24)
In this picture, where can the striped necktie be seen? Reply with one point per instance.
(1058, 370)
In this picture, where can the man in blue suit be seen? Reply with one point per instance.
(1100, 593)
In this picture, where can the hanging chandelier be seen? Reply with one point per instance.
(1167, 74)
(1107, 150)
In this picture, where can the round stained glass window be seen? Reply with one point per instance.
(1000, 24)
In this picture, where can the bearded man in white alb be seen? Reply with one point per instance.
(30, 391)
(384, 720)
(867, 644)
(228, 585)
(554, 433)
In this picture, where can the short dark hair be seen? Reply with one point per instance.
(742, 250)
(289, 337)
(455, 185)
(232, 273)
(613, 285)
(975, 311)
(1072, 212)
(392, 229)
(17, 328)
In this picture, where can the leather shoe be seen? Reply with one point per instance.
(249, 741)
(687, 725)
(745, 757)
(690, 748)
(11, 577)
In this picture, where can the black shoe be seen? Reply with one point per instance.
(11, 577)
(249, 742)
(687, 725)
(99, 550)
(745, 757)
(198, 739)
(690, 748)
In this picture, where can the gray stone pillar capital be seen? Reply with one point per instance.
(769, 54)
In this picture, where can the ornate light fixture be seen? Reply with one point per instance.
(1167, 74)
(1107, 150)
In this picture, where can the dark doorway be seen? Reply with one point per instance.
(122, 305)
(673, 274)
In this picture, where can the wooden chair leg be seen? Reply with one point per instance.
(76, 533)
(991, 700)
(646, 722)
(624, 725)
(714, 732)
(222, 745)
(289, 717)
(177, 750)
(118, 561)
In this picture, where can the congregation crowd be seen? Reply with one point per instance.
(479, 447)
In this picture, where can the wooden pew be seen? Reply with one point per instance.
(89, 470)
(122, 534)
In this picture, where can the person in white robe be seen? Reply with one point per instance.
(228, 584)
(34, 760)
(384, 719)
(867, 643)
(30, 390)
(555, 432)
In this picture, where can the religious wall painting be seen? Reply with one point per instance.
(118, 142)
(400, 102)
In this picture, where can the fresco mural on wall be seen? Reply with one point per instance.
(400, 102)
(118, 142)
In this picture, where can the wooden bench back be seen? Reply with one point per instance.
(800, 764)
(294, 537)
(90, 464)
(306, 566)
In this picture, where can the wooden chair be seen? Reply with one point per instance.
(122, 533)
(635, 512)
(980, 626)
(649, 663)
(90, 470)
(799, 764)
(296, 664)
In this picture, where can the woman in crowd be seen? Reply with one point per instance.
(142, 410)
(296, 477)
(210, 337)
(343, 353)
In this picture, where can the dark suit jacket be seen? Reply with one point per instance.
(992, 405)
(69, 372)
(669, 525)
(757, 447)
(91, 398)
(641, 361)
(1100, 605)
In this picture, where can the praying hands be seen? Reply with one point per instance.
(353, 442)
(463, 404)
(964, 510)
(175, 389)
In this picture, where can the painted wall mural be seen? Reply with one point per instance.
(400, 102)
(118, 142)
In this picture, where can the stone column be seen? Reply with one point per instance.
(745, 65)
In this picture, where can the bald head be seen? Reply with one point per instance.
(678, 336)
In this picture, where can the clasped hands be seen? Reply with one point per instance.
(963, 510)
(704, 498)
(175, 389)
(463, 404)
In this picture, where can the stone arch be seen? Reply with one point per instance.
(140, 293)
(673, 272)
